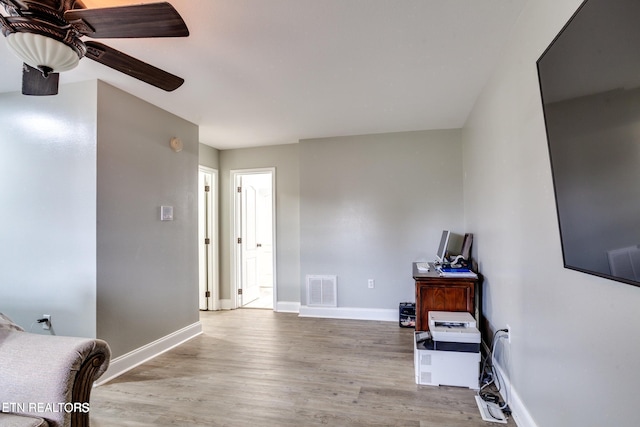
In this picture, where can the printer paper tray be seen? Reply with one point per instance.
(461, 347)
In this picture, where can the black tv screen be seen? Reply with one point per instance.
(590, 86)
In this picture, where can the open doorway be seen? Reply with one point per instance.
(254, 238)
(208, 238)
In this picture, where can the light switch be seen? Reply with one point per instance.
(166, 213)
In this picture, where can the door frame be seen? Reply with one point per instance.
(236, 198)
(213, 301)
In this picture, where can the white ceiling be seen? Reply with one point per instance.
(261, 72)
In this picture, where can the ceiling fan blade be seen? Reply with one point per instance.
(134, 67)
(135, 21)
(35, 83)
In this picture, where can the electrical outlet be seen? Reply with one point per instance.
(372, 283)
(47, 323)
(509, 334)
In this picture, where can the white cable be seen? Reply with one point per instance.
(507, 393)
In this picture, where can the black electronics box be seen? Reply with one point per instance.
(407, 315)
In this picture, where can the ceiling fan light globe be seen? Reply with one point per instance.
(40, 51)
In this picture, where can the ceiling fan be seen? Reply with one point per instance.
(46, 35)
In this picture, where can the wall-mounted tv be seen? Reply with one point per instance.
(590, 86)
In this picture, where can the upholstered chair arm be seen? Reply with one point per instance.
(50, 376)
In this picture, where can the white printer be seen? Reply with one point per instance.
(449, 353)
(454, 331)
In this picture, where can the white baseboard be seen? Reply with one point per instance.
(126, 362)
(288, 307)
(519, 411)
(384, 314)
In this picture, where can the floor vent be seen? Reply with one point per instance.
(322, 291)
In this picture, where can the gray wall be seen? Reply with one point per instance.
(209, 156)
(573, 353)
(285, 160)
(147, 268)
(48, 215)
(370, 205)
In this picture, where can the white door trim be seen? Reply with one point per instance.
(235, 175)
(213, 302)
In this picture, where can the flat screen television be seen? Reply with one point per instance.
(590, 86)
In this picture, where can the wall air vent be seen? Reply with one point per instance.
(322, 291)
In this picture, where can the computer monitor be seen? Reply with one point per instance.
(442, 248)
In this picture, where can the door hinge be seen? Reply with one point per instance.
(207, 241)
(207, 294)
(239, 291)
(239, 189)
(207, 188)
(240, 240)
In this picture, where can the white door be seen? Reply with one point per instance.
(250, 245)
(254, 225)
(207, 238)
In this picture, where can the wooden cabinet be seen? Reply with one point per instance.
(436, 293)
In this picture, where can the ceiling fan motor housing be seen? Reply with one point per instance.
(39, 35)
(46, 35)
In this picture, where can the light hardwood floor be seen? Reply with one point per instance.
(260, 368)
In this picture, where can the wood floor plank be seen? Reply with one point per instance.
(259, 368)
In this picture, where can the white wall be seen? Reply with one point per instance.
(573, 356)
(372, 204)
(48, 215)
